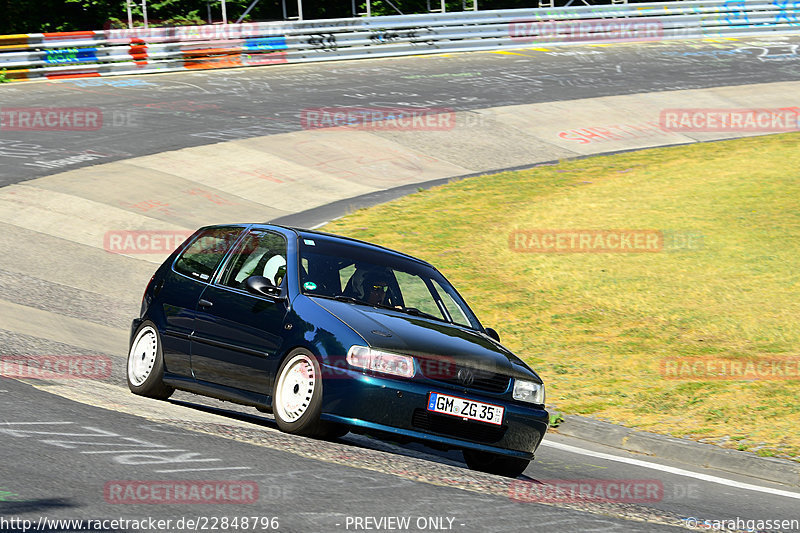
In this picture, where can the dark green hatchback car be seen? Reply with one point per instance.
(332, 335)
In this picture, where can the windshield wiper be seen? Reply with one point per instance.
(343, 298)
(350, 299)
(416, 312)
(338, 297)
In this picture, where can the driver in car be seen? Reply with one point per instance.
(372, 286)
(378, 291)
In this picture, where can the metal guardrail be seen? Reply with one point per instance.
(139, 50)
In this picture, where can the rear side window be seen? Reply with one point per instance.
(205, 253)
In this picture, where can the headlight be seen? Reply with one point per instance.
(383, 362)
(528, 391)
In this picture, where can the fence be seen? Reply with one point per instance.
(139, 50)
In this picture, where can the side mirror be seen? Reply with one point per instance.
(492, 333)
(261, 286)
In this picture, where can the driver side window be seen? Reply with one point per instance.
(261, 253)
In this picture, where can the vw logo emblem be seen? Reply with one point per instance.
(465, 376)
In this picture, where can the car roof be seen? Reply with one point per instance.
(306, 233)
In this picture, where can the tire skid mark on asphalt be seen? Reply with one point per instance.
(384, 460)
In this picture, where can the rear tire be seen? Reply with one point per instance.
(493, 463)
(297, 398)
(145, 368)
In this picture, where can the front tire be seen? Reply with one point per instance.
(297, 397)
(493, 463)
(145, 369)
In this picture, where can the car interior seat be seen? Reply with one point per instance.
(272, 269)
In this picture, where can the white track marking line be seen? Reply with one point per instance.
(672, 470)
(140, 450)
(206, 469)
(35, 423)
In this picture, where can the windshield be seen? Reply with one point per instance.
(342, 271)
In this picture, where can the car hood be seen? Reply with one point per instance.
(426, 339)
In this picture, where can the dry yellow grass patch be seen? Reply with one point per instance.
(597, 326)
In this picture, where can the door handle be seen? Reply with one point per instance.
(204, 303)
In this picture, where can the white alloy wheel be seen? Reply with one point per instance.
(142, 357)
(295, 388)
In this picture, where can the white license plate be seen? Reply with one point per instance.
(466, 409)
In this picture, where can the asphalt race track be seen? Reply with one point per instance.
(68, 443)
(156, 113)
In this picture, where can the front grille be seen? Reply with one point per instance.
(484, 380)
(455, 427)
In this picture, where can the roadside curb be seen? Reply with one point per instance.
(682, 450)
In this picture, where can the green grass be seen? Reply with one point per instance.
(596, 325)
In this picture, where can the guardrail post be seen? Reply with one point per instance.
(130, 14)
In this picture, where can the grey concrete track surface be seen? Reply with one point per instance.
(229, 146)
(152, 114)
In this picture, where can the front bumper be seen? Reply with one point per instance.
(397, 406)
